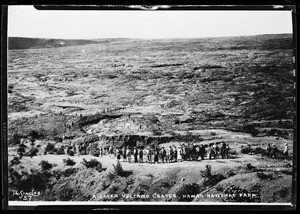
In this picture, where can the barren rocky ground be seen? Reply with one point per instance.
(239, 90)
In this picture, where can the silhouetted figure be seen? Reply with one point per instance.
(135, 154)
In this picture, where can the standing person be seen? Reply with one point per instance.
(227, 150)
(184, 152)
(100, 151)
(223, 149)
(164, 155)
(124, 154)
(135, 154)
(179, 154)
(110, 150)
(128, 154)
(161, 154)
(217, 151)
(118, 153)
(268, 149)
(175, 153)
(202, 151)
(168, 155)
(273, 151)
(286, 150)
(209, 152)
(197, 152)
(156, 154)
(171, 153)
(148, 154)
(141, 154)
(214, 153)
(151, 154)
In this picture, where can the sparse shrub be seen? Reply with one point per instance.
(287, 172)
(230, 173)
(219, 188)
(209, 178)
(46, 165)
(130, 181)
(284, 192)
(50, 148)
(118, 169)
(213, 180)
(165, 185)
(149, 175)
(207, 172)
(156, 131)
(21, 150)
(111, 175)
(250, 167)
(213, 133)
(33, 152)
(188, 190)
(93, 163)
(69, 193)
(14, 139)
(22, 180)
(71, 152)
(69, 162)
(15, 161)
(60, 151)
(246, 150)
(105, 185)
(259, 150)
(232, 152)
(93, 150)
(113, 189)
(264, 176)
(68, 172)
(251, 129)
(33, 134)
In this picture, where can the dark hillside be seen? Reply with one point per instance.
(33, 43)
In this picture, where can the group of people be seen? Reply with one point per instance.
(169, 154)
(273, 151)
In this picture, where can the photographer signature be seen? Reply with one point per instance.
(26, 196)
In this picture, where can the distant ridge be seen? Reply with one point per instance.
(35, 43)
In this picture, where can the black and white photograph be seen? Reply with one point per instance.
(150, 106)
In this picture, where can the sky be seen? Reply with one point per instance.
(26, 21)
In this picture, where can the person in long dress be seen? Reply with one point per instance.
(179, 154)
(128, 155)
(209, 152)
(175, 153)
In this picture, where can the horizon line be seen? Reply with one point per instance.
(141, 38)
